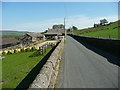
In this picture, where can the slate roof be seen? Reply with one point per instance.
(35, 34)
(5, 41)
(54, 31)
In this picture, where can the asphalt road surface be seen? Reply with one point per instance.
(83, 68)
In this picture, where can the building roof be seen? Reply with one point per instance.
(54, 32)
(35, 34)
(5, 41)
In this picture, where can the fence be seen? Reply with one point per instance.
(44, 47)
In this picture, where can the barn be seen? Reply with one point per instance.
(54, 34)
(31, 38)
(8, 42)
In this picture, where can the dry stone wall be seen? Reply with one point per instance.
(109, 45)
(47, 76)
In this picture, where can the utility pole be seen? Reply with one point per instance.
(72, 29)
(64, 28)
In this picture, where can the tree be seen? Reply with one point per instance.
(60, 26)
(103, 21)
(69, 29)
(74, 28)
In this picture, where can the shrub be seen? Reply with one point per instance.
(9, 52)
(5, 52)
(35, 54)
(27, 49)
(22, 49)
(37, 48)
(17, 50)
(33, 48)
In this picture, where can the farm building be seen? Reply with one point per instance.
(97, 25)
(31, 38)
(8, 42)
(54, 33)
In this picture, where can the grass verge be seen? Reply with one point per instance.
(60, 68)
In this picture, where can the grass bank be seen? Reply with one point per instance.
(109, 31)
(110, 34)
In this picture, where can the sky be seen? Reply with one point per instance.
(39, 16)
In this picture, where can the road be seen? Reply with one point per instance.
(83, 68)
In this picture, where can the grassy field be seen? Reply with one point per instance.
(110, 31)
(16, 66)
(0, 74)
(112, 34)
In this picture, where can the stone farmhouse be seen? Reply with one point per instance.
(97, 25)
(55, 33)
(29, 38)
(103, 22)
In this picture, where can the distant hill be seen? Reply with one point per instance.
(109, 31)
(7, 34)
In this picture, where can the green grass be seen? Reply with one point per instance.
(113, 34)
(64, 41)
(0, 74)
(110, 31)
(60, 68)
(16, 66)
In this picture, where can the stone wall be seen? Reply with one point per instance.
(48, 74)
(109, 45)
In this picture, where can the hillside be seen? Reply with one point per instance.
(108, 31)
(11, 34)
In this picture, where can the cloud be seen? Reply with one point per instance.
(81, 21)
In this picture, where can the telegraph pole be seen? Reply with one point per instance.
(72, 29)
(64, 28)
